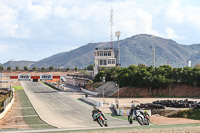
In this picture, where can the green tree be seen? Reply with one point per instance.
(43, 69)
(1, 67)
(67, 69)
(51, 68)
(9, 68)
(17, 68)
(90, 67)
(25, 68)
(76, 69)
(34, 68)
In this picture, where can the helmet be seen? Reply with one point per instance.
(94, 108)
(145, 111)
(132, 106)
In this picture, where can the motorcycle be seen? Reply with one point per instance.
(130, 119)
(99, 118)
(142, 118)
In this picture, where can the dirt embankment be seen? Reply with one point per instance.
(13, 118)
(174, 91)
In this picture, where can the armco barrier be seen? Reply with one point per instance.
(148, 111)
(96, 103)
(90, 92)
(122, 111)
(9, 105)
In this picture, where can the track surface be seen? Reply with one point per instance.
(59, 110)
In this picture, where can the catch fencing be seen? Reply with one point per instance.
(8, 99)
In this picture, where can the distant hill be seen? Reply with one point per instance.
(195, 58)
(133, 50)
(21, 64)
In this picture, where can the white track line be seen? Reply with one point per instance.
(24, 116)
(22, 107)
(28, 125)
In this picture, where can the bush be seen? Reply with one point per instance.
(190, 114)
(155, 78)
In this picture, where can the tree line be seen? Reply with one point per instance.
(43, 69)
(147, 76)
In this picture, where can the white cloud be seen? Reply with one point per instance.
(70, 22)
(177, 12)
(60, 11)
(192, 16)
(7, 20)
(9, 23)
(3, 48)
(38, 12)
(131, 19)
(174, 11)
(171, 34)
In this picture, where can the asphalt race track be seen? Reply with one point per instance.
(59, 110)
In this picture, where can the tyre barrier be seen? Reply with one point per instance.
(179, 103)
(162, 104)
(149, 106)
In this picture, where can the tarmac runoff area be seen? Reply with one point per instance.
(58, 109)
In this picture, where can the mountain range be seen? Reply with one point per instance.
(133, 50)
(21, 64)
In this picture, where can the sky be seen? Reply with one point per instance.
(36, 29)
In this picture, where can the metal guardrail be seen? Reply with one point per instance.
(96, 103)
(8, 99)
(90, 92)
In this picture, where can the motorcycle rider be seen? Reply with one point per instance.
(133, 110)
(96, 110)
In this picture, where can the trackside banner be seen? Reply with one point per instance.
(46, 76)
(24, 77)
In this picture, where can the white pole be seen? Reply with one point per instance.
(118, 95)
(154, 57)
(118, 50)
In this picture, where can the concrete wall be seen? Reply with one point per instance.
(96, 103)
(90, 92)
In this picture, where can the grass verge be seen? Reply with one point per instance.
(116, 116)
(34, 122)
(129, 129)
(190, 114)
(18, 87)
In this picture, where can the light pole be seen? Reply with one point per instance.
(118, 35)
(11, 62)
(154, 61)
(103, 88)
(117, 85)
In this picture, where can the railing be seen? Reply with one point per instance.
(7, 100)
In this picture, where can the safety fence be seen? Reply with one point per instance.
(7, 103)
(7, 100)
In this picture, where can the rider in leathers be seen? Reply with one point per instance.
(133, 110)
(96, 110)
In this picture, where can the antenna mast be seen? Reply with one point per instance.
(111, 24)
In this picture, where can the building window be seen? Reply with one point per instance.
(101, 53)
(98, 53)
(105, 53)
(113, 61)
(109, 53)
(103, 62)
(109, 61)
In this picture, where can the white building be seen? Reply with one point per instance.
(104, 58)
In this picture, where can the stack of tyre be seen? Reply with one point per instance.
(150, 106)
(178, 103)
